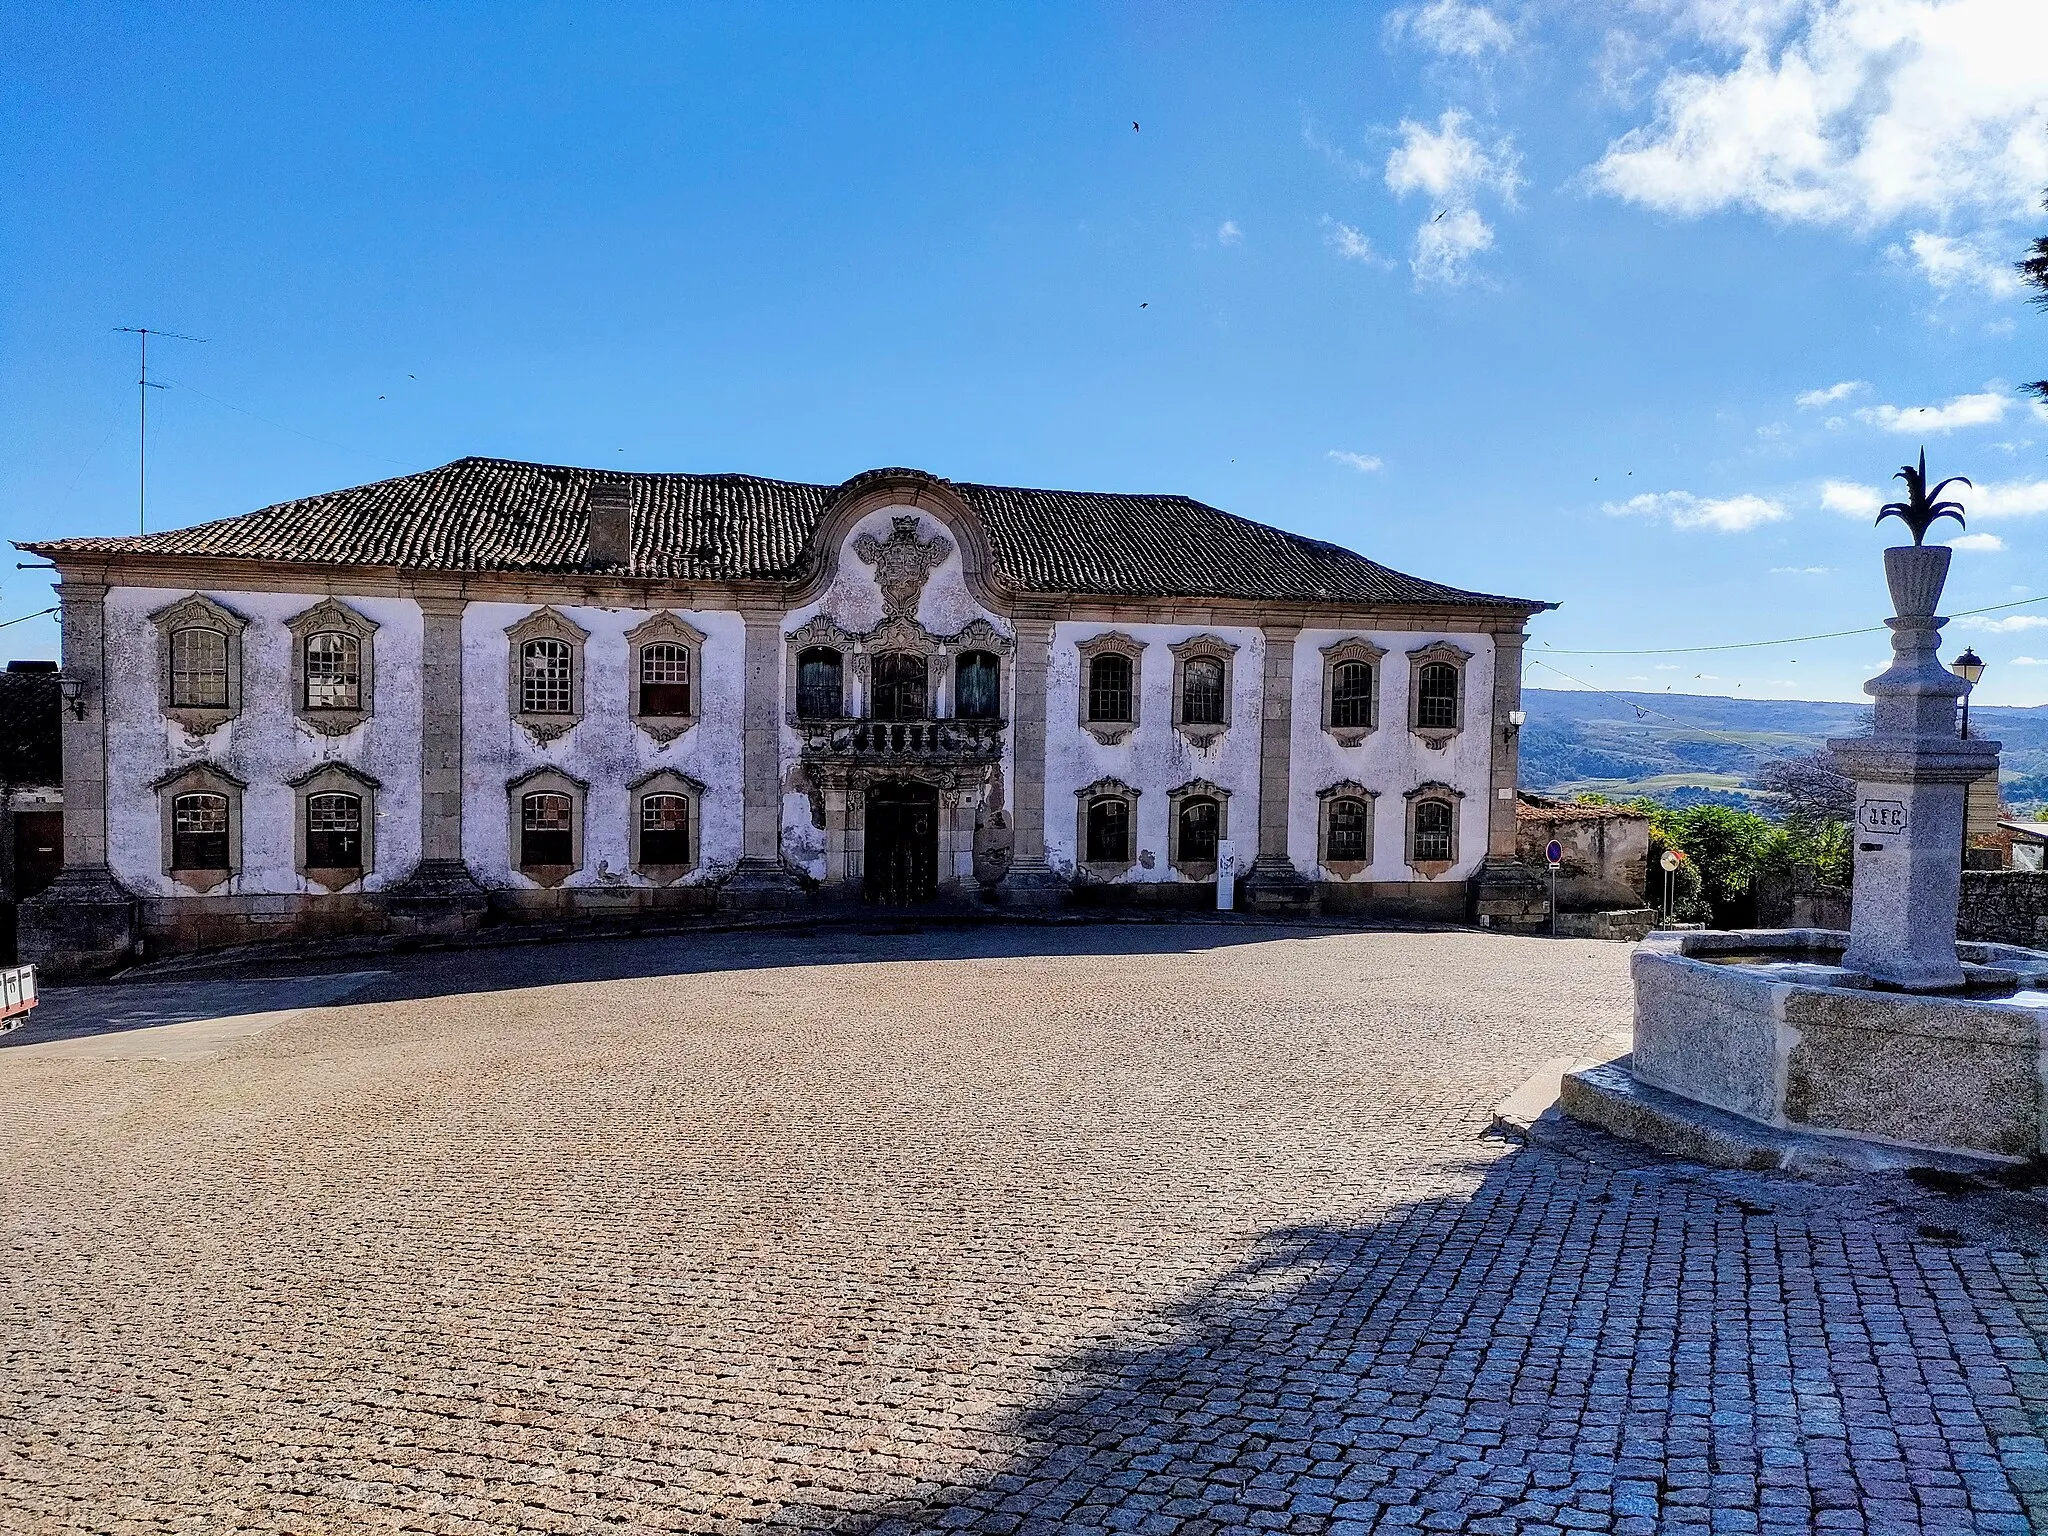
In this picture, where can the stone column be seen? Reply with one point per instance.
(1274, 882)
(832, 791)
(86, 920)
(441, 895)
(1506, 893)
(1031, 881)
(761, 879)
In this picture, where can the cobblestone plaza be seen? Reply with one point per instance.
(1138, 1228)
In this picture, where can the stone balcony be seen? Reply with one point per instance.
(902, 741)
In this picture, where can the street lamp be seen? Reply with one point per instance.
(1969, 667)
(72, 690)
(1516, 717)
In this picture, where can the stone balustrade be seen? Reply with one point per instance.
(951, 741)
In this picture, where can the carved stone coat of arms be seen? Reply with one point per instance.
(903, 562)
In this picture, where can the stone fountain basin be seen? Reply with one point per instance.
(1766, 1025)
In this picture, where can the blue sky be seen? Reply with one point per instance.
(1520, 296)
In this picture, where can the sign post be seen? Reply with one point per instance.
(1553, 851)
(1670, 861)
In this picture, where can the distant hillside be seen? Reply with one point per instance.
(1686, 748)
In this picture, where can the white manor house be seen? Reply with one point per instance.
(497, 691)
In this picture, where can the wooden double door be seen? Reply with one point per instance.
(902, 843)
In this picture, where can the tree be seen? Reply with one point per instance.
(2033, 268)
(1809, 789)
(1728, 848)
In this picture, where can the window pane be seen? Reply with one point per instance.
(1432, 831)
(199, 832)
(546, 678)
(1351, 696)
(1350, 830)
(899, 687)
(1109, 688)
(546, 830)
(1201, 691)
(976, 687)
(1436, 705)
(199, 672)
(664, 829)
(819, 695)
(1109, 832)
(334, 832)
(333, 671)
(664, 679)
(1198, 824)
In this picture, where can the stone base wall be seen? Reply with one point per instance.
(2006, 906)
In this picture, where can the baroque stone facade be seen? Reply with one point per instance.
(537, 692)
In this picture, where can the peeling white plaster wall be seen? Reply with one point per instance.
(604, 749)
(1392, 760)
(266, 745)
(1155, 758)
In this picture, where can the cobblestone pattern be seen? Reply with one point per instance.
(1156, 1230)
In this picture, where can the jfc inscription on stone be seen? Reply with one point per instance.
(1881, 817)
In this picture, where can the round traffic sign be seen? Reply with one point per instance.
(1554, 851)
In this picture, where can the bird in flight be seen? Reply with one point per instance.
(1134, 125)
(1144, 306)
(1439, 215)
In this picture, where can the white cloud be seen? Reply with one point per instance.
(1813, 399)
(2029, 661)
(1229, 233)
(2039, 408)
(1979, 543)
(1978, 410)
(1682, 509)
(2011, 626)
(1453, 168)
(1364, 463)
(1949, 264)
(1801, 570)
(1352, 244)
(1850, 500)
(1855, 113)
(1454, 27)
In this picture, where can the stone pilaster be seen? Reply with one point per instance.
(1273, 882)
(85, 920)
(1031, 880)
(761, 878)
(441, 895)
(1505, 892)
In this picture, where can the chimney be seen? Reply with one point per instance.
(611, 523)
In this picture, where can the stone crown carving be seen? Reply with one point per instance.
(903, 562)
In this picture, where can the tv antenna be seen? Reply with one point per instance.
(143, 387)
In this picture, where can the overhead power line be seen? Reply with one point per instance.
(1751, 645)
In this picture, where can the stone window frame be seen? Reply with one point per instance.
(1454, 656)
(1352, 648)
(977, 635)
(1176, 799)
(665, 781)
(547, 780)
(197, 611)
(1115, 643)
(665, 628)
(546, 623)
(331, 616)
(1084, 798)
(1347, 789)
(893, 637)
(334, 778)
(1417, 797)
(201, 779)
(819, 632)
(1212, 648)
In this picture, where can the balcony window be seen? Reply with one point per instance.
(977, 680)
(820, 684)
(899, 687)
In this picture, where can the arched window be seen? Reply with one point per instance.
(199, 673)
(1350, 831)
(1109, 688)
(977, 688)
(1436, 697)
(199, 830)
(1199, 822)
(1432, 832)
(665, 679)
(1351, 696)
(334, 671)
(547, 677)
(664, 829)
(899, 691)
(334, 831)
(547, 830)
(1201, 691)
(820, 694)
(1109, 831)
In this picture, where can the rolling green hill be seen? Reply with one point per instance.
(1687, 748)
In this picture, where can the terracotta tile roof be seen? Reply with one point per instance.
(1534, 807)
(501, 515)
(32, 745)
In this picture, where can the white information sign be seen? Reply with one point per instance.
(1226, 876)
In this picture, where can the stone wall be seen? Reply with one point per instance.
(2004, 906)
